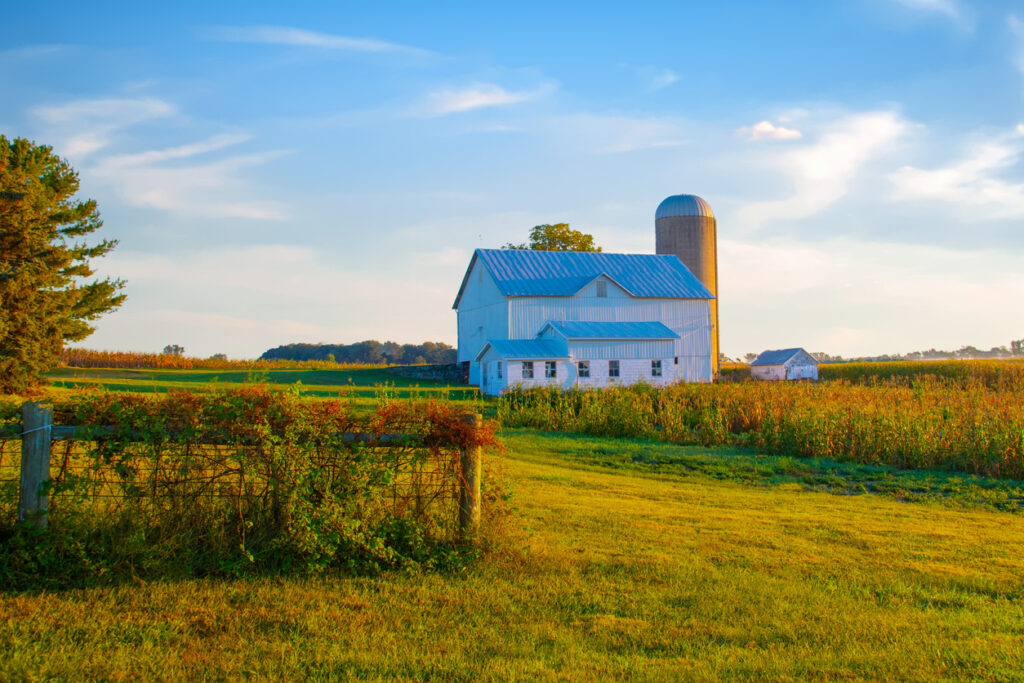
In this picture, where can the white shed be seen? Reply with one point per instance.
(581, 319)
(784, 364)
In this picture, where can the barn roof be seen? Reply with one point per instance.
(526, 348)
(779, 357)
(527, 272)
(572, 329)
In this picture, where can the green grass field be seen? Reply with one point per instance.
(362, 386)
(621, 560)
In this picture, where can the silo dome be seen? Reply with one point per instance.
(683, 205)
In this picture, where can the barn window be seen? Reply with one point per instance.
(602, 288)
(584, 368)
(613, 368)
(527, 369)
(499, 369)
(655, 368)
(550, 368)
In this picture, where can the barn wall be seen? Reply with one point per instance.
(690, 318)
(482, 315)
(768, 372)
(630, 371)
(619, 350)
(802, 371)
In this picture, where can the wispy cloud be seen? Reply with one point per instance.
(1016, 26)
(948, 8)
(210, 188)
(766, 130)
(82, 127)
(914, 292)
(612, 134)
(183, 152)
(32, 52)
(821, 171)
(480, 96)
(976, 182)
(194, 297)
(655, 78)
(297, 37)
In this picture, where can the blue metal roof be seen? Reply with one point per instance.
(573, 329)
(525, 272)
(527, 348)
(683, 205)
(779, 357)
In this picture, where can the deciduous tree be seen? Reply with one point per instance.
(46, 298)
(557, 237)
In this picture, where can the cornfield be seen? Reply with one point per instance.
(924, 423)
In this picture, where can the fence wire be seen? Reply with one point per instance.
(87, 476)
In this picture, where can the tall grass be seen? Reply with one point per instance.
(927, 423)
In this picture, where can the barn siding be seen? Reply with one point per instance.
(482, 315)
(485, 313)
(689, 318)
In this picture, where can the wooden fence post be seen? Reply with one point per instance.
(34, 503)
(469, 494)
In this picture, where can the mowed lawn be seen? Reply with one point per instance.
(604, 574)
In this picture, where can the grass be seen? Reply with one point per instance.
(616, 567)
(362, 385)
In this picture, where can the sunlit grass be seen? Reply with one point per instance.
(607, 574)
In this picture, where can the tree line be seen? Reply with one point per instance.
(370, 351)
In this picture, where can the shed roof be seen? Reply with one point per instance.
(527, 272)
(573, 329)
(778, 357)
(549, 349)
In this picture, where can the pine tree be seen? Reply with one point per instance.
(45, 298)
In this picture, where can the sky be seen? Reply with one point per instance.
(322, 172)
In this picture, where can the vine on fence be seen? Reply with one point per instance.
(251, 479)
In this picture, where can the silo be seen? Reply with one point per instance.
(684, 225)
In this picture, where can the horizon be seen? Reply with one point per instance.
(319, 174)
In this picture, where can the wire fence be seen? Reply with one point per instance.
(391, 474)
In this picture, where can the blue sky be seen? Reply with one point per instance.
(310, 172)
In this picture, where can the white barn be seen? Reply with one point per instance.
(581, 319)
(784, 364)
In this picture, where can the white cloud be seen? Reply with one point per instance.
(82, 127)
(242, 300)
(821, 171)
(287, 35)
(479, 96)
(610, 134)
(30, 52)
(949, 8)
(766, 130)
(183, 152)
(210, 188)
(861, 298)
(973, 182)
(654, 78)
(1017, 28)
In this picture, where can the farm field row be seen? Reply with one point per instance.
(611, 569)
(358, 384)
